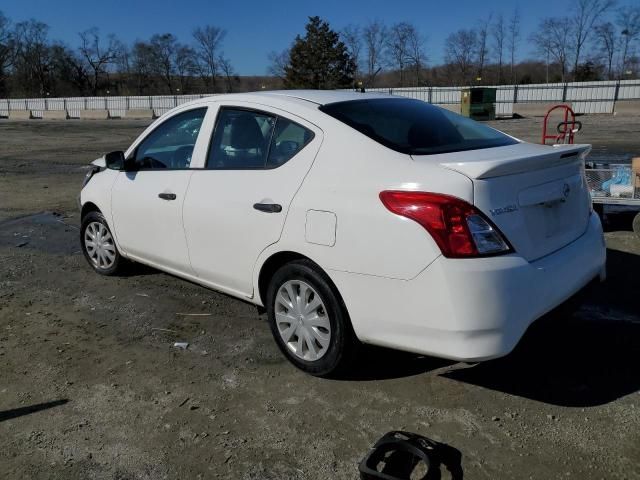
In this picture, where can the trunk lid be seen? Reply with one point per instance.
(535, 194)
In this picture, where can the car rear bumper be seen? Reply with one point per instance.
(470, 309)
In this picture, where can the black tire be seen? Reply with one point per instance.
(342, 343)
(636, 224)
(116, 266)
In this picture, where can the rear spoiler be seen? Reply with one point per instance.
(515, 159)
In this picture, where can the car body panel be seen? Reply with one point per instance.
(147, 226)
(469, 309)
(219, 217)
(399, 290)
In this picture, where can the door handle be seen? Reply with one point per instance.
(167, 196)
(268, 207)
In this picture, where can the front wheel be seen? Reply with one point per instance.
(636, 224)
(98, 245)
(308, 319)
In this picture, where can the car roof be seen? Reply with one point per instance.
(303, 103)
(322, 97)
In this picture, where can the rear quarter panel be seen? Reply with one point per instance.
(346, 179)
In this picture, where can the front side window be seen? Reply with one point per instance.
(415, 127)
(171, 144)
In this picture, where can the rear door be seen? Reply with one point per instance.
(147, 202)
(237, 203)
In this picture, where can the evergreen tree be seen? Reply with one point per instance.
(319, 59)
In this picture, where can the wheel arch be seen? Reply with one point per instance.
(277, 260)
(91, 206)
(87, 208)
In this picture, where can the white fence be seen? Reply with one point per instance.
(586, 97)
(117, 106)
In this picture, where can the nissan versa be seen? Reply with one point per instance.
(351, 218)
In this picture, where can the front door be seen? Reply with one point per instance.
(147, 199)
(236, 206)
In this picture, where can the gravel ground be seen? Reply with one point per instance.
(91, 387)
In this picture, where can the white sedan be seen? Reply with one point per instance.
(351, 218)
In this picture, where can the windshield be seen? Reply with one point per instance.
(415, 127)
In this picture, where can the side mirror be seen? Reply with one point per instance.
(115, 160)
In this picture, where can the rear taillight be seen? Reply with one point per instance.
(459, 229)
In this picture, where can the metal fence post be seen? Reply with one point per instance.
(85, 103)
(615, 96)
(430, 94)
(515, 94)
(564, 92)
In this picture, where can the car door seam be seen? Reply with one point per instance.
(184, 230)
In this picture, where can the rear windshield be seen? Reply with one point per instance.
(415, 127)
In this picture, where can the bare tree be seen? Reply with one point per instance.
(483, 47)
(6, 51)
(587, 12)
(278, 62)
(33, 56)
(71, 70)
(416, 54)
(460, 51)
(229, 73)
(163, 51)
(208, 41)
(351, 37)
(398, 47)
(142, 66)
(97, 55)
(499, 34)
(513, 41)
(606, 38)
(552, 39)
(374, 35)
(628, 21)
(185, 66)
(123, 63)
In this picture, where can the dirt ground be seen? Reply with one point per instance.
(92, 388)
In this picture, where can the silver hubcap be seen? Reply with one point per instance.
(99, 245)
(302, 320)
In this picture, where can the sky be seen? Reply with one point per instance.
(255, 28)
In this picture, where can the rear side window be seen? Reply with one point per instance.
(415, 127)
(240, 140)
(288, 139)
(254, 140)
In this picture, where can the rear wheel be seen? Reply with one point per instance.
(308, 319)
(98, 245)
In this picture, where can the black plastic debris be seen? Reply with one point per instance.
(408, 456)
